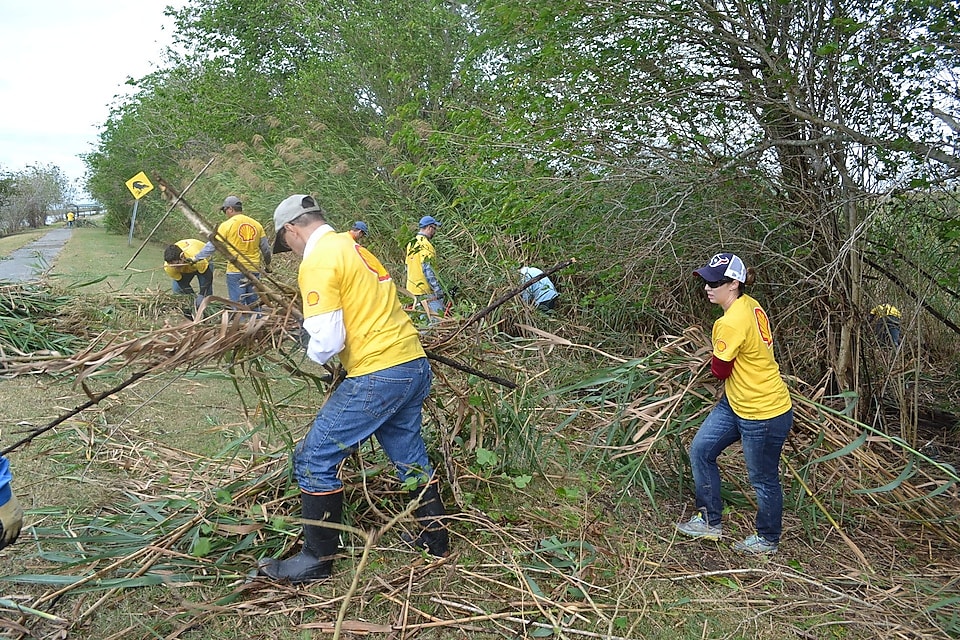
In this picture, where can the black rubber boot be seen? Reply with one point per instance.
(434, 536)
(320, 544)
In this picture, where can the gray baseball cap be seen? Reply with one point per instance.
(288, 211)
(232, 202)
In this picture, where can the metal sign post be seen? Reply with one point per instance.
(139, 185)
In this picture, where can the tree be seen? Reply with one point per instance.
(30, 196)
(822, 106)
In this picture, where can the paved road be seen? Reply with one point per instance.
(28, 263)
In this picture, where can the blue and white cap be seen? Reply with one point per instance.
(723, 265)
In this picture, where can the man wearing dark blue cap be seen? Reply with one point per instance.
(422, 279)
(358, 231)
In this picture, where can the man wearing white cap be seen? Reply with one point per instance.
(351, 310)
(247, 244)
(422, 279)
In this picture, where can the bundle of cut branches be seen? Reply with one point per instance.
(28, 327)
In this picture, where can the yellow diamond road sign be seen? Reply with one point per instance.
(139, 185)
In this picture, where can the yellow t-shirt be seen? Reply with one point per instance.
(242, 236)
(882, 310)
(190, 248)
(338, 273)
(419, 251)
(755, 389)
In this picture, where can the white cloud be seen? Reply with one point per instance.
(65, 62)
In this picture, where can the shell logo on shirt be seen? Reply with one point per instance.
(763, 326)
(721, 346)
(372, 263)
(247, 232)
(312, 298)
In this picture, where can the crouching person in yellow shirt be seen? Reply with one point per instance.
(180, 263)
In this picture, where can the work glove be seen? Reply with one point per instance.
(11, 521)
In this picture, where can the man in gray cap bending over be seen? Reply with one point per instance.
(351, 310)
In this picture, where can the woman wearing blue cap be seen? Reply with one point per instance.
(755, 409)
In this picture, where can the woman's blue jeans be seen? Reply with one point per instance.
(762, 442)
(386, 404)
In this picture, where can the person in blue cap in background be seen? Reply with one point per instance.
(358, 231)
(11, 514)
(422, 279)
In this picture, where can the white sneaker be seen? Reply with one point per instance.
(697, 527)
(755, 544)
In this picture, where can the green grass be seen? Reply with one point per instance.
(97, 260)
(12, 242)
(548, 541)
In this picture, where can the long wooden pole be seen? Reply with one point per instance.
(164, 217)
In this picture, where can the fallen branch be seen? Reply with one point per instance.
(459, 366)
(86, 405)
(480, 315)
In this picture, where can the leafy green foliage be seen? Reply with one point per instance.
(639, 138)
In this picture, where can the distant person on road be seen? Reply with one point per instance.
(11, 513)
(543, 293)
(247, 244)
(181, 264)
(755, 410)
(358, 231)
(422, 279)
(71, 216)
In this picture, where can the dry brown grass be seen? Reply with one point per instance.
(574, 552)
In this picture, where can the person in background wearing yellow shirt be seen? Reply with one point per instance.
(755, 410)
(71, 216)
(247, 244)
(351, 310)
(358, 231)
(181, 264)
(422, 279)
(886, 324)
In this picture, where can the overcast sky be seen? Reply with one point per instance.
(64, 61)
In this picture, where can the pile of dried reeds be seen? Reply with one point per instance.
(210, 519)
(652, 401)
(29, 330)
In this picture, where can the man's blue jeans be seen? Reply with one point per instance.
(386, 404)
(204, 282)
(762, 442)
(239, 289)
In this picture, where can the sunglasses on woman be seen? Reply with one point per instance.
(717, 283)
